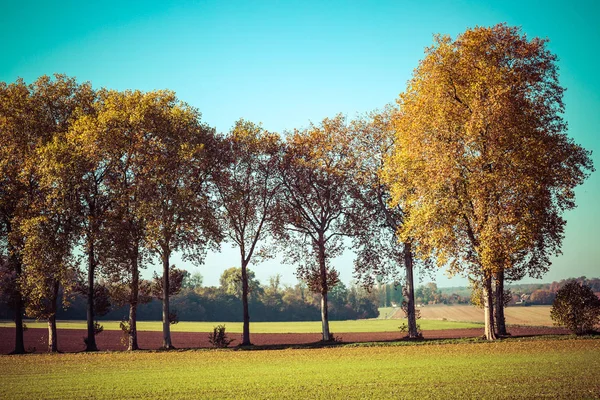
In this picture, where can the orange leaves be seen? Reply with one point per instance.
(481, 148)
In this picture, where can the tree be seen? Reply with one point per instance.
(32, 117)
(363, 302)
(47, 268)
(192, 281)
(272, 294)
(83, 161)
(247, 186)
(541, 296)
(315, 202)
(338, 295)
(482, 157)
(232, 284)
(48, 264)
(52, 228)
(177, 206)
(18, 140)
(374, 221)
(576, 307)
(121, 120)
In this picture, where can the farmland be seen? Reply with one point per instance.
(568, 368)
(433, 317)
(437, 322)
(280, 334)
(532, 315)
(361, 325)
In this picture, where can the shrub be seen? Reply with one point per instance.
(404, 328)
(218, 338)
(576, 307)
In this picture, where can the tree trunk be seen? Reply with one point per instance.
(488, 307)
(325, 317)
(167, 345)
(52, 338)
(324, 291)
(135, 287)
(17, 302)
(90, 341)
(18, 308)
(410, 288)
(19, 341)
(132, 340)
(52, 335)
(246, 329)
(499, 304)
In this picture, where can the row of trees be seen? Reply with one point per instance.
(101, 182)
(472, 172)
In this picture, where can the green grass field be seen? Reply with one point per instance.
(362, 325)
(508, 369)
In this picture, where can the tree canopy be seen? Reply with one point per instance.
(316, 176)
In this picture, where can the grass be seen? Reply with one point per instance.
(506, 369)
(363, 325)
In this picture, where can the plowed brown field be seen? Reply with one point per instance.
(71, 340)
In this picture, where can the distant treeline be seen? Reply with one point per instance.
(521, 294)
(391, 294)
(545, 293)
(272, 302)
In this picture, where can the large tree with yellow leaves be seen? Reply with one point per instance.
(36, 221)
(482, 156)
(177, 206)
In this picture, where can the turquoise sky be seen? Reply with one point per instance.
(287, 63)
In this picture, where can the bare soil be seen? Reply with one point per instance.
(71, 340)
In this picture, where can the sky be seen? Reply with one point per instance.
(287, 63)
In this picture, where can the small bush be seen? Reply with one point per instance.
(576, 307)
(404, 329)
(218, 338)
